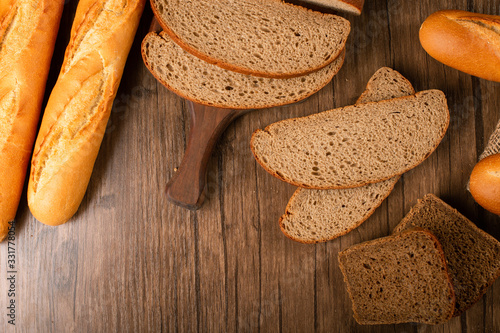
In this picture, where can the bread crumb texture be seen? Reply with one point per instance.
(354, 145)
(398, 279)
(208, 84)
(265, 38)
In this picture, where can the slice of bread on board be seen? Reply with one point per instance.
(398, 279)
(354, 145)
(472, 255)
(314, 216)
(204, 83)
(258, 37)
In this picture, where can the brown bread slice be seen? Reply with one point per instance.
(204, 83)
(349, 6)
(398, 279)
(314, 216)
(472, 255)
(354, 145)
(259, 37)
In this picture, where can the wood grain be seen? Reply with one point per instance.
(130, 261)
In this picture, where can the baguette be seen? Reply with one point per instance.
(27, 36)
(469, 42)
(79, 106)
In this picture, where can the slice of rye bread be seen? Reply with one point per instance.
(398, 279)
(258, 37)
(314, 216)
(472, 255)
(354, 145)
(349, 6)
(204, 83)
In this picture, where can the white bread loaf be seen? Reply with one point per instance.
(79, 106)
(27, 37)
(469, 42)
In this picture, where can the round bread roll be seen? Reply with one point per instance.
(466, 41)
(485, 183)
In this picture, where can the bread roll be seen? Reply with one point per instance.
(27, 36)
(485, 183)
(79, 106)
(466, 41)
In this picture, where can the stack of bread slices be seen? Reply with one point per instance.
(346, 161)
(244, 54)
(436, 265)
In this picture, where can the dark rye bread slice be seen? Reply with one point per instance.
(204, 83)
(258, 37)
(354, 145)
(398, 279)
(314, 216)
(472, 255)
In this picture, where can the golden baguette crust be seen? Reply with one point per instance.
(28, 31)
(79, 106)
(469, 42)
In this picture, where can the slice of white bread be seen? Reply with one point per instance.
(259, 37)
(398, 279)
(354, 145)
(314, 216)
(472, 255)
(204, 83)
(349, 6)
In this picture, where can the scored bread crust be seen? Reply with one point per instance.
(240, 69)
(337, 64)
(27, 42)
(393, 237)
(405, 225)
(79, 106)
(292, 182)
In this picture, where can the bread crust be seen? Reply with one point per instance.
(236, 68)
(263, 164)
(469, 42)
(234, 107)
(24, 67)
(79, 106)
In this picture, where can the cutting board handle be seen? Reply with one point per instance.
(186, 188)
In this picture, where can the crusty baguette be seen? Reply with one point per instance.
(472, 255)
(350, 6)
(314, 216)
(27, 37)
(208, 84)
(257, 37)
(398, 279)
(79, 106)
(354, 145)
(469, 42)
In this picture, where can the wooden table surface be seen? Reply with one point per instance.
(130, 261)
